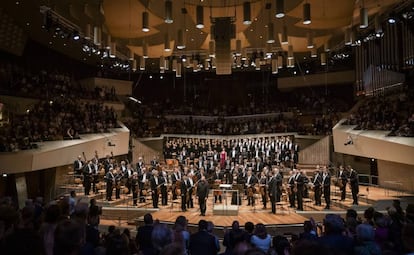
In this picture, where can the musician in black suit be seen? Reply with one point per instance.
(144, 179)
(202, 194)
(326, 183)
(317, 184)
(118, 178)
(251, 180)
(164, 191)
(110, 180)
(353, 181)
(78, 165)
(87, 177)
(155, 183)
(135, 187)
(175, 176)
(190, 189)
(217, 178)
(292, 188)
(273, 190)
(300, 183)
(342, 180)
(184, 193)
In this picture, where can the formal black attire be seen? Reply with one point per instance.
(343, 179)
(250, 182)
(292, 189)
(300, 182)
(184, 192)
(87, 178)
(218, 177)
(135, 188)
(155, 182)
(273, 193)
(317, 184)
(326, 182)
(190, 190)
(202, 193)
(110, 180)
(77, 166)
(353, 181)
(174, 178)
(164, 192)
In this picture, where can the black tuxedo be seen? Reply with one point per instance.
(202, 193)
(326, 182)
(273, 192)
(155, 184)
(343, 178)
(317, 183)
(353, 181)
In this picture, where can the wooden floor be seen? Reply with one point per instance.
(377, 197)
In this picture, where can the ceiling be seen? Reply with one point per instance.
(122, 20)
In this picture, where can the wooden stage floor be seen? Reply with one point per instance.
(377, 197)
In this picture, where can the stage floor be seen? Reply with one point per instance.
(377, 197)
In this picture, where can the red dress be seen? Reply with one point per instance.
(223, 157)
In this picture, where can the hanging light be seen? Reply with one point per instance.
(178, 72)
(280, 61)
(314, 53)
(290, 52)
(270, 34)
(257, 64)
(307, 14)
(88, 30)
(363, 16)
(174, 65)
(141, 63)
(145, 50)
(145, 22)
(348, 39)
(309, 37)
(167, 46)
(131, 55)
(97, 35)
(167, 64)
(162, 63)
(327, 46)
(238, 47)
(168, 12)
(392, 19)
(134, 65)
(275, 70)
(108, 42)
(284, 35)
(211, 48)
(379, 32)
(112, 52)
(200, 16)
(246, 13)
(291, 62)
(323, 58)
(195, 65)
(213, 63)
(180, 39)
(280, 9)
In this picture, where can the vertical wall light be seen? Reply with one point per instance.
(307, 14)
(178, 72)
(309, 37)
(323, 59)
(108, 42)
(378, 27)
(270, 33)
(168, 12)
(291, 62)
(280, 9)
(284, 40)
(112, 52)
(134, 65)
(199, 16)
(257, 64)
(145, 22)
(363, 17)
(327, 46)
(348, 39)
(131, 55)
(180, 39)
(88, 31)
(314, 53)
(247, 20)
(280, 61)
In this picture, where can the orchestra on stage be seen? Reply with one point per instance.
(256, 168)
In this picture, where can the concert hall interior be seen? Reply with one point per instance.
(207, 127)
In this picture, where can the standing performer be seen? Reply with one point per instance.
(202, 194)
(78, 165)
(87, 177)
(218, 177)
(292, 188)
(317, 183)
(176, 176)
(223, 158)
(263, 188)
(110, 180)
(164, 192)
(326, 183)
(155, 182)
(300, 182)
(250, 182)
(143, 184)
(118, 178)
(342, 181)
(184, 193)
(273, 190)
(135, 187)
(190, 189)
(353, 181)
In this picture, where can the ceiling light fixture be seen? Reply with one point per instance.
(270, 34)
(379, 32)
(307, 14)
(180, 39)
(363, 16)
(392, 19)
(167, 46)
(97, 35)
(310, 40)
(280, 9)
(168, 12)
(200, 16)
(290, 52)
(284, 35)
(323, 58)
(145, 22)
(246, 13)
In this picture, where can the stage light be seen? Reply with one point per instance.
(246, 13)
(280, 9)
(145, 22)
(307, 14)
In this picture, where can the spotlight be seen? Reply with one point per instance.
(76, 35)
(4, 175)
(392, 19)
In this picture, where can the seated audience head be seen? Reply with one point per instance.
(334, 224)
